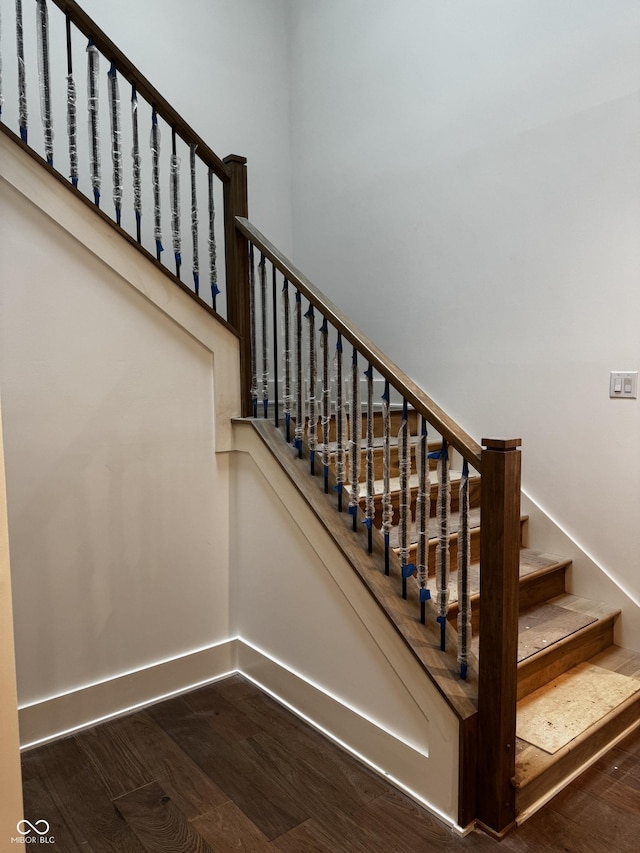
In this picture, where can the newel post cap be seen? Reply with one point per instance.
(501, 443)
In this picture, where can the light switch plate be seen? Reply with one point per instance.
(623, 383)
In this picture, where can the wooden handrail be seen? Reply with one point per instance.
(413, 394)
(128, 70)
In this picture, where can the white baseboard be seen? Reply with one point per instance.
(57, 716)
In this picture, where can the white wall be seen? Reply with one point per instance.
(466, 184)
(117, 500)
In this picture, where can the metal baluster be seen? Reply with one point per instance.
(297, 336)
(252, 327)
(340, 423)
(262, 272)
(72, 120)
(195, 266)
(274, 299)
(312, 429)
(442, 547)
(369, 505)
(422, 519)
(155, 180)
(464, 558)
(116, 140)
(136, 164)
(23, 117)
(286, 359)
(404, 460)
(213, 269)
(355, 443)
(387, 507)
(174, 192)
(93, 70)
(44, 75)
(326, 402)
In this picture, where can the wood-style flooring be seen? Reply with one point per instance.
(225, 768)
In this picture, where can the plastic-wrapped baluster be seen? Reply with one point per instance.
(355, 441)
(93, 70)
(341, 422)
(136, 163)
(262, 272)
(326, 403)
(442, 546)
(464, 558)
(312, 429)
(195, 265)
(44, 75)
(369, 503)
(252, 329)
(23, 116)
(174, 193)
(116, 140)
(404, 463)
(274, 316)
(387, 507)
(423, 503)
(213, 268)
(72, 120)
(286, 359)
(155, 180)
(297, 338)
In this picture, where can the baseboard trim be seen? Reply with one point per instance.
(58, 716)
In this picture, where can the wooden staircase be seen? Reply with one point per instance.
(578, 693)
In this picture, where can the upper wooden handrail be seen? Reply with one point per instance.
(128, 70)
(413, 394)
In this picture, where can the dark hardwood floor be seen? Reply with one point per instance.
(226, 768)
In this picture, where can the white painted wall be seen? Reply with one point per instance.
(466, 184)
(117, 500)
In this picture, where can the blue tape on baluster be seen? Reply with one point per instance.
(369, 372)
(408, 570)
(353, 510)
(178, 258)
(425, 595)
(215, 290)
(112, 70)
(159, 246)
(74, 182)
(463, 670)
(368, 523)
(441, 620)
(339, 342)
(309, 312)
(297, 443)
(96, 197)
(338, 488)
(324, 328)
(196, 283)
(385, 395)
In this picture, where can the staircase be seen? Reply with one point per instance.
(572, 691)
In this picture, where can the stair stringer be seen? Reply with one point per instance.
(311, 634)
(585, 577)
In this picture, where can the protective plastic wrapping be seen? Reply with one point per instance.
(341, 418)
(422, 513)
(44, 76)
(369, 503)
(174, 192)
(387, 506)
(442, 546)
(286, 355)
(464, 558)
(72, 130)
(195, 264)
(326, 398)
(213, 269)
(93, 71)
(312, 403)
(136, 158)
(252, 329)
(262, 272)
(355, 436)
(155, 181)
(299, 367)
(23, 117)
(116, 140)
(404, 466)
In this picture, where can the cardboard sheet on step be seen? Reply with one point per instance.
(557, 713)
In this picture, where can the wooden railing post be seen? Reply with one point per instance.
(237, 267)
(497, 684)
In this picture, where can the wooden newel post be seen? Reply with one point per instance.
(499, 582)
(237, 266)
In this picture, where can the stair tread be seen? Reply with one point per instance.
(576, 705)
